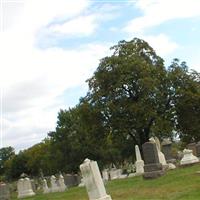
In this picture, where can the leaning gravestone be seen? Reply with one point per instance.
(4, 192)
(152, 168)
(192, 146)
(24, 188)
(139, 162)
(188, 157)
(93, 181)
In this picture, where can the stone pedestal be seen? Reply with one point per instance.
(188, 157)
(93, 181)
(152, 168)
(4, 192)
(24, 188)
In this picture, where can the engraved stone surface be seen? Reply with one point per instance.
(93, 181)
(152, 168)
(4, 192)
(24, 188)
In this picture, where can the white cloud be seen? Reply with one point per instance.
(157, 12)
(32, 79)
(161, 44)
(83, 25)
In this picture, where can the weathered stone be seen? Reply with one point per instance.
(4, 192)
(192, 146)
(167, 149)
(105, 175)
(61, 183)
(72, 180)
(139, 162)
(45, 187)
(198, 149)
(188, 157)
(54, 184)
(24, 188)
(93, 181)
(152, 168)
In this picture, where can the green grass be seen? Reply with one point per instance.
(180, 184)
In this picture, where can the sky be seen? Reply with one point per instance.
(49, 48)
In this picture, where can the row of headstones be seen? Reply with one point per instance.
(153, 166)
(24, 186)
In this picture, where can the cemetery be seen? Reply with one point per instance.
(153, 178)
(135, 135)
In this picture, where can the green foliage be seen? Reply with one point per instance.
(6, 154)
(131, 89)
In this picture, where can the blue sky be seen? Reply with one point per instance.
(50, 47)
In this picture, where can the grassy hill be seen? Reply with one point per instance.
(182, 184)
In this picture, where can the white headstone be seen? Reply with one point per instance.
(139, 162)
(54, 184)
(45, 187)
(93, 181)
(105, 175)
(24, 188)
(61, 183)
(161, 156)
(188, 157)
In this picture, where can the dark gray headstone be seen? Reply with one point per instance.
(167, 149)
(4, 192)
(72, 180)
(152, 167)
(192, 146)
(198, 149)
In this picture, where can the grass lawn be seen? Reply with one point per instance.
(182, 183)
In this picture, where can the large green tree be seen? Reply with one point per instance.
(131, 88)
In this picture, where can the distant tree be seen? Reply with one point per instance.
(6, 154)
(186, 89)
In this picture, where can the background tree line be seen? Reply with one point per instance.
(132, 96)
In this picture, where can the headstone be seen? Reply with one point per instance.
(192, 146)
(152, 168)
(4, 192)
(24, 188)
(71, 180)
(93, 181)
(161, 156)
(45, 187)
(54, 184)
(167, 150)
(114, 174)
(139, 162)
(188, 157)
(105, 175)
(198, 149)
(61, 183)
